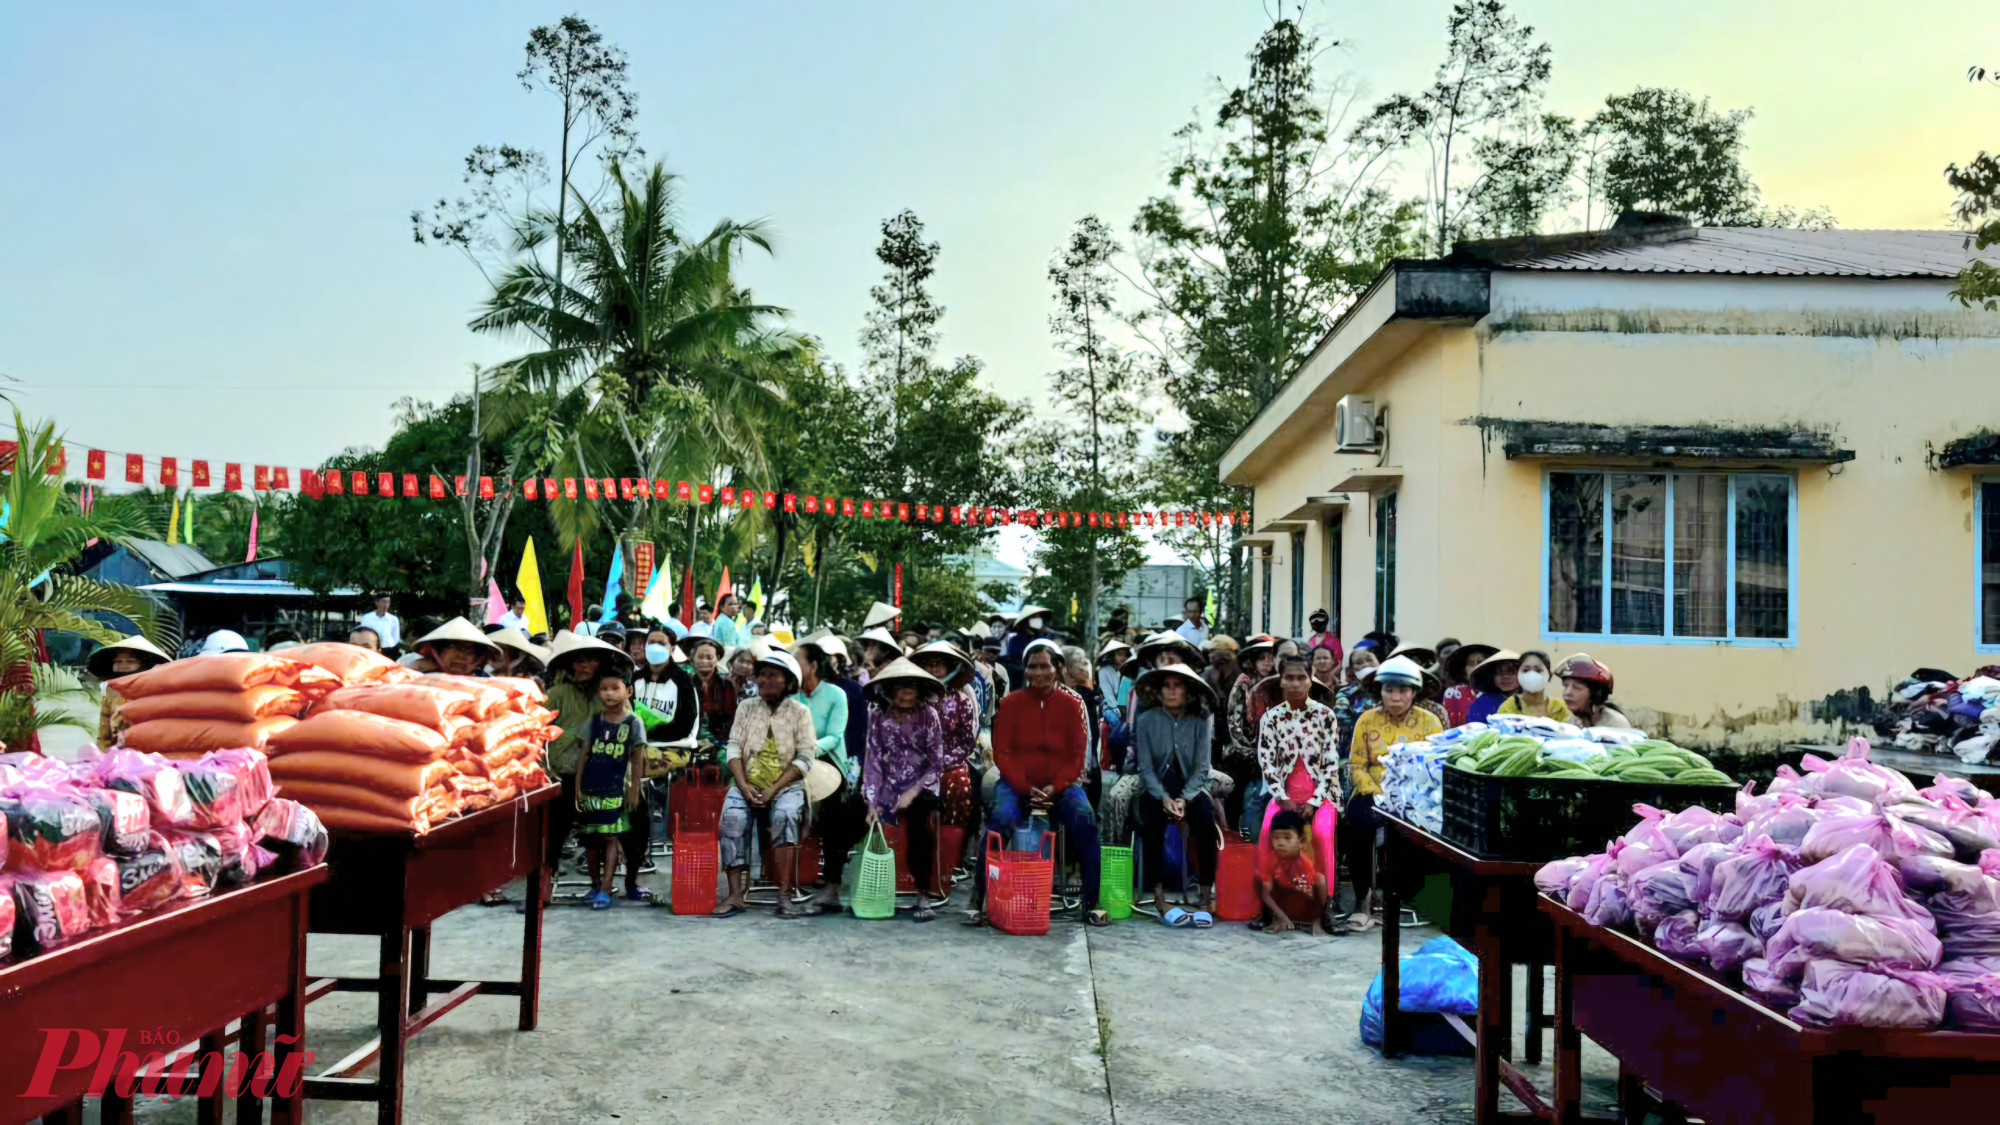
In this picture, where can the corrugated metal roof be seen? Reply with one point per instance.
(175, 561)
(1776, 251)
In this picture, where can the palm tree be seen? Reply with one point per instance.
(43, 529)
(654, 362)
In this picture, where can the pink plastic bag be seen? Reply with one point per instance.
(226, 787)
(1786, 820)
(1772, 989)
(1610, 903)
(153, 778)
(1889, 836)
(1658, 891)
(1857, 881)
(1838, 994)
(1646, 844)
(294, 831)
(1698, 864)
(1690, 826)
(1853, 775)
(1817, 933)
(1726, 945)
(1754, 877)
(1765, 921)
(49, 906)
(1943, 785)
(1556, 875)
(153, 878)
(101, 892)
(1586, 880)
(1790, 780)
(242, 858)
(1968, 912)
(50, 828)
(1675, 936)
(1973, 1003)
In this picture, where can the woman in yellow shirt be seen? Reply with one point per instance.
(1534, 698)
(1397, 720)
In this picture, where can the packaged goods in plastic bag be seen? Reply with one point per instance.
(523, 689)
(1943, 785)
(1698, 863)
(351, 664)
(49, 906)
(1726, 945)
(1555, 876)
(358, 734)
(1646, 844)
(191, 738)
(1756, 876)
(484, 737)
(1675, 936)
(101, 896)
(151, 777)
(1787, 821)
(1610, 902)
(247, 706)
(1766, 921)
(1662, 889)
(293, 831)
(200, 858)
(242, 858)
(153, 877)
(1789, 780)
(1439, 977)
(1855, 880)
(413, 703)
(1772, 989)
(1891, 837)
(227, 786)
(1580, 751)
(1839, 994)
(1966, 906)
(1585, 883)
(122, 819)
(1853, 775)
(50, 829)
(1973, 1003)
(234, 671)
(1817, 933)
(489, 702)
(390, 779)
(6, 919)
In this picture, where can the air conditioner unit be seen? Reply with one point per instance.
(1354, 424)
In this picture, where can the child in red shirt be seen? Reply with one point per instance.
(1289, 880)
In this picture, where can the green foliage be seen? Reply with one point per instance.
(1670, 152)
(1978, 185)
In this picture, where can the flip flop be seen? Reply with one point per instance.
(599, 901)
(1177, 918)
(638, 894)
(1203, 920)
(729, 913)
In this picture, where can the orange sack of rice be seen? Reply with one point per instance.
(413, 703)
(489, 702)
(229, 671)
(339, 818)
(195, 737)
(352, 663)
(358, 734)
(482, 738)
(245, 706)
(322, 795)
(391, 779)
(520, 687)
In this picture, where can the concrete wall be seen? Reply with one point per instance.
(1884, 544)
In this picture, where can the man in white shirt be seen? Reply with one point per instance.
(1193, 628)
(516, 616)
(387, 625)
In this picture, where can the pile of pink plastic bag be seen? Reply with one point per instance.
(1843, 895)
(92, 843)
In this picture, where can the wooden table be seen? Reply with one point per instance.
(1493, 915)
(393, 887)
(1717, 1053)
(179, 976)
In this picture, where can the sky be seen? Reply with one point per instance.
(208, 250)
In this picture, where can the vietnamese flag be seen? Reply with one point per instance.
(201, 474)
(135, 469)
(232, 476)
(706, 494)
(281, 478)
(261, 478)
(687, 594)
(528, 489)
(170, 472)
(93, 467)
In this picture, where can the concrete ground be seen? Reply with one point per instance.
(651, 1017)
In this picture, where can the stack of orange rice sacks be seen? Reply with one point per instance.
(186, 708)
(393, 750)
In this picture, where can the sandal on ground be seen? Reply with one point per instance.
(1177, 918)
(1256, 924)
(638, 894)
(1097, 918)
(923, 913)
(1366, 922)
(788, 910)
(494, 898)
(598, 900)
(976, 919)
(1203, 920)
(730, 911)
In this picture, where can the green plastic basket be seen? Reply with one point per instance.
(1114, 882)
(874, 877)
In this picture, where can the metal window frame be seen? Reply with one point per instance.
(1385, 576)
(1666, 636)
(1979, 515)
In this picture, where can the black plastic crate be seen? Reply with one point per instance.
(1541, 818)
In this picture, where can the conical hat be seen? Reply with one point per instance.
(570, 644)
(904, 669)
(1152, 646)
(1459, 664)
(826, 643)
(99, 663)
(1111, 646)
(822, 779)
(881, 613)
(960, 662)
(1272, 688)
(519, 642)
(1149, 681)
(457, 629)
(1481, 675)
(1027, 611)
(881, 637)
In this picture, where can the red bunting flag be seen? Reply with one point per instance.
(170, 472)
(260, 478)
(705, 495)
(812, 505)
(590, 488)
(569, 488)
(93, 465)
(309, 483)
(746, 498)
(548, 488)
(609, 487)
(770, 500)
(385, 484)
(458, 486)
(792, 502)
(232, 477)
(201, 474)
(411, 489)
(437, 487)
(728, 496)
(528, 490)
(281, 477)
(135, 469)
(357, 483)
(867, 509)
(847, 507)
(903, 512)
(1093, 519)
(486, 488)
(624, 489)
(333, 481)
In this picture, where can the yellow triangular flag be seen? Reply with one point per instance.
(174, 523)
(528, 580)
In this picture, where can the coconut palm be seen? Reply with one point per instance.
(43, 529)
(654, 363)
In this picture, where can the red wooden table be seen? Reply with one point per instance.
(1716, 1053)
(393, 887)
(178, 976)
(1493, 915)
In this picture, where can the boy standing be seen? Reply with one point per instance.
(607, 787)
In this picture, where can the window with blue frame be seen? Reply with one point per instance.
(1694, 556)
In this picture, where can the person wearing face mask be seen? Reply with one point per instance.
(1323, 636)
(664, 687)
(1030, 626)
(1534, 699)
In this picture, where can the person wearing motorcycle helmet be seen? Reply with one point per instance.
(224, 640)
(1587, 685)
(1397, 720)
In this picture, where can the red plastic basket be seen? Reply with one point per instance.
(697, 863)
(950, 846)
(808, 870)
(1235, 880)
(899, 842)
(694, 801)
(1019, 886)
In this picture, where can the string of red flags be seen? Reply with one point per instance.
(134, 470)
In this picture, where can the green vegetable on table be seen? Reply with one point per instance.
(1653, 761)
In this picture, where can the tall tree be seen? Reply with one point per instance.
(1269, 229)
(1094, 446)
(1977, 183)
(1492, 75)
(1670, 152)
(900, 336)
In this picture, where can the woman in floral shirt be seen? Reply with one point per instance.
(1298, 753)
(958, 713)
(904, 768)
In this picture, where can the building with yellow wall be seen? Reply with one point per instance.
(1744, 467)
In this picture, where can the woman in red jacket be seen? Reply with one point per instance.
(1038, 745)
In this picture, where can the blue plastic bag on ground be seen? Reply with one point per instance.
(1439, 977)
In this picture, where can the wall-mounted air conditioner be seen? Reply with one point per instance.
(1354, 424)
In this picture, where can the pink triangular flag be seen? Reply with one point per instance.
(252, 556)
(496, 605)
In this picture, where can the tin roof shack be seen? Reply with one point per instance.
(254, 598)
(1708, 456)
